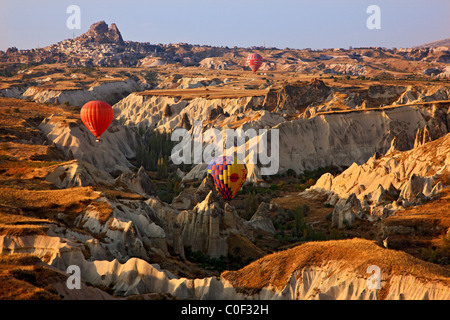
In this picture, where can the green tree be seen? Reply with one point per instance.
(152, 148)
(162, 167)
(299, 218)
(251, 205)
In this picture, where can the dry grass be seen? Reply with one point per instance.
(427, 224)
(21, 151)
(238, 123)
(125, 192)
(436, 212)
(46, 204)
(317, 211)
(103, 209)
(23, 278)
(188, 94)
(356, 254)
(21, 225)
(14, 110)
(35, 199)
(442, 104)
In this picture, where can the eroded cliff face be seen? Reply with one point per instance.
(318, 125)
(75, 141)
(341, 139)
(165, 113)
(297, 97)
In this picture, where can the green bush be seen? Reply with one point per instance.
(230, 262)
(151, 77)
(429, 254)
(291, 173)
(336, 234)
(304, 229)
(308, 176)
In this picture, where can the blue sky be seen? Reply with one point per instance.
(284, 23)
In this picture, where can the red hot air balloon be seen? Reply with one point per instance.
(97, 116)
(254, 61)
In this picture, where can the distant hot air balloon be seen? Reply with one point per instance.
(97, 116)
(229, 175)
(254, 61)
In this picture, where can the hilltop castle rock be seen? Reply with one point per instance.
(100, 33)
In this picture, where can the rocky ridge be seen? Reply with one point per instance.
(385, 184)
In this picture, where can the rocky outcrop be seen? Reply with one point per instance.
(347, 69)
(75, 141)
(346, 211)
(384, 184)
(198, 172)
(341, 139)
(127, 228)
(208, 226)
(78, 174)
(14, 91)
(422, 136)
(140, 109)
(139, 182)
(100, 33)
(261, 220)
(111, 92)
(298, 97)
(416, 188)
(187, 199)
(216, 63)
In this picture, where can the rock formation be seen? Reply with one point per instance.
(139, 182)
(110, 92)
(384, 184)
(100, 33)
(78, 174)
(207, 227)
(346, 211)
(75, 141)
(261, 219)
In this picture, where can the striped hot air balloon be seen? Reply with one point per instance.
(97, 116)
(229, 175)
(254, 61)
(208, 169)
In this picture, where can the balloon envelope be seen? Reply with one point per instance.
(208, 169)
(254, 61)
(97, 116)
(229, 175)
